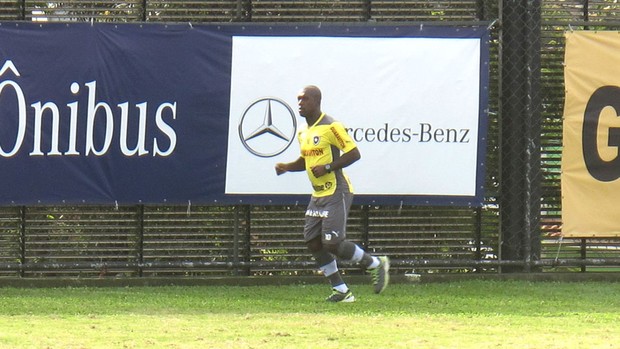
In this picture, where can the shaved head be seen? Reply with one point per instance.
(313, 92)
(309, 102)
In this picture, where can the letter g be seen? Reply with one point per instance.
(605, 171)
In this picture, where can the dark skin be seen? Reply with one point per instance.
(309, 103)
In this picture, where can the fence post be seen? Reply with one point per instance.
(242, 239)
(243, 11)
(481, 13)
(22, 239)
(478, 241)
(140, 239)
(237, 232)
(583, 253)
(247, 252)
(144, 11)
(520, 125)
(365, 226)
(367, 5)
(22, 10)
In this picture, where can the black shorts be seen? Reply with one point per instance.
(327, 217)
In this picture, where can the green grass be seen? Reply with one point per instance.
(468, 314)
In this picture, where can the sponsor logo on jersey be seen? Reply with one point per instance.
(317, 213)
(313, 152)
(325, 186)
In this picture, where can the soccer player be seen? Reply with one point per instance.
(326, 148)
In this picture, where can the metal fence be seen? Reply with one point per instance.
(518, 229)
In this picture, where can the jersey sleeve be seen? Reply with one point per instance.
(340, 137)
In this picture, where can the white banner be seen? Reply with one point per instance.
(412, 104)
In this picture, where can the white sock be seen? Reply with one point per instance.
(342, 288)
(375, 263)
(330, 268)
(358, 254)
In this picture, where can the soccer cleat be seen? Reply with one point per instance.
(381, 274)
(344, 297)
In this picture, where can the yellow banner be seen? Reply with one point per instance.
(590, 156)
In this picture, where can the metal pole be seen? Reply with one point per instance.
(237, 229)
(480, 13)
(22, 239)
(144, 11)
(367, 10)
(22, 9)
(365, 226)
(520, 131)
(247, 255)
(243, 12)
(583, 254)
(478, 232)
(140, 239)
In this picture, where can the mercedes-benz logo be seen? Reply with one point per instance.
(267, 127)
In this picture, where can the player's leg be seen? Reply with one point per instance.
(325, 260)
(335, 232)
(334, 240)
(329, 267)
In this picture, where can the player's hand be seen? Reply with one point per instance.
(319, 171)
(280, 168)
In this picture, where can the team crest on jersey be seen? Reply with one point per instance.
(316, 140)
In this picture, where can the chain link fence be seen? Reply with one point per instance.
(518, 228)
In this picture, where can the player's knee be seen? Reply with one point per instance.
(346, 250)
(331, 247)
(314, 245)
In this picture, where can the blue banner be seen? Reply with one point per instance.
(150, 113)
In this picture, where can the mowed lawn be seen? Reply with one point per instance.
(463, 314)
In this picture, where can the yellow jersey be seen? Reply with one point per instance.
(321, 144)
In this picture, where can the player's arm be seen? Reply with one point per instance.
(343, 161)
(346, 159)
(295, 166)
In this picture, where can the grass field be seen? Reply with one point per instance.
(465, 314)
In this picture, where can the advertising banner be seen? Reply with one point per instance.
(590, 158)
(151, 113)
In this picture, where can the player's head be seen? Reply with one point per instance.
(309, 101)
